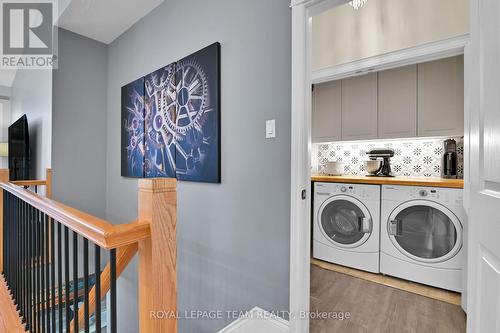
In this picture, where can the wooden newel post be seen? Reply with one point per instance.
(157, 256)
(48, 184)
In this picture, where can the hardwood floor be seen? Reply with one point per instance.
(416, 288)
(376, 308)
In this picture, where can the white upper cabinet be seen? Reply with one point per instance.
(326, 112)
(397, 102)
(441, 97)
(418, 100)
(359, 107)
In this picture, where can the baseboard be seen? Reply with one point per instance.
(257, 320)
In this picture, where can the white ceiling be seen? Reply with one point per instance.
(7, 77)
(104, 20)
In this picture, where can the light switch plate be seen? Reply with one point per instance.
(270, 129)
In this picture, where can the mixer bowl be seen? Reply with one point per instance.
(373, 166)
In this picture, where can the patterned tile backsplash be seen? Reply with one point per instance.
(412, 157)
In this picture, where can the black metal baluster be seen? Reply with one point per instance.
(59, 278)
(18, 259)
(16, 252)
(9, 242)
(16, 249)
(47, 272)
(97, 272)
(66, 276)
(27, 264)
(39, 258)
(38, 271)
(4, 227)
(42, 268)
(53, 274)
(21, 264)
(112, 261)
(30, 267)
(86, 284)
(34, 266)
(75, 281)
(7, 239)
(11, 245)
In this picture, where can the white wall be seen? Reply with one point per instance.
(5, 92)
(32, 95)
(343, 34)
(4, 124)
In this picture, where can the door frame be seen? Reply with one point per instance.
(301, 98)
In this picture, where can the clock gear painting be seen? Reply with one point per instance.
(171, 120)
(133, 147)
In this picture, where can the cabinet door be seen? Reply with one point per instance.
(326, 112)
(359, 107)
(397, 102)
(441, 97)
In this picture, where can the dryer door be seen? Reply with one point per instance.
(345, 221)
(425, 231)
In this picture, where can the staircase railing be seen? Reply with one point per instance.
(59, 263)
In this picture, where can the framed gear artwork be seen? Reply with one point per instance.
(133, 129)
(171, 120)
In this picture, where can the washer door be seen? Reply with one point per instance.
(425, 231)
(345, 221)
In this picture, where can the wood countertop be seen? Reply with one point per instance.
(416, 181)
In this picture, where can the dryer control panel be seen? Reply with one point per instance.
(446, 196)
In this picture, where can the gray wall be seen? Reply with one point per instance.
(79, 123)
(32, 95)
(233, 238)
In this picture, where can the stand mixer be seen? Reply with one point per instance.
(383, 157)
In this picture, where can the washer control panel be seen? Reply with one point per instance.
(355, 190)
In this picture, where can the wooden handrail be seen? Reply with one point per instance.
(29, 182)
(99, 231)
(47, 182)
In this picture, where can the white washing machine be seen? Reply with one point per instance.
(421, 235)
(346, 224)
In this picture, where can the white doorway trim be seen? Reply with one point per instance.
(413, 55)
(302, 79)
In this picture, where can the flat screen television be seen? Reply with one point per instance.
(19, 150)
